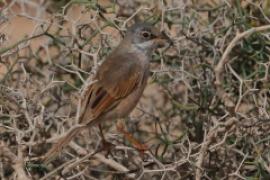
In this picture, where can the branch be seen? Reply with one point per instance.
(225, 59)
(4, 50)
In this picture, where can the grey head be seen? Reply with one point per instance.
(145, 37)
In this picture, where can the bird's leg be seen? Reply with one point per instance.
(105, 144)
(101, 133)
(131, 139)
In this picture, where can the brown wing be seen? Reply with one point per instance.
(115, 80)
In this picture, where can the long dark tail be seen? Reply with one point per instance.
(62, 142)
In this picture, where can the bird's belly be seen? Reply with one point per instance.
(126, 106)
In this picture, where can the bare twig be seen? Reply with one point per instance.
(225, 59)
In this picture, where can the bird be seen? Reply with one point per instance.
(119, 82)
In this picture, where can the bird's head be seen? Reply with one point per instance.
(146, 37)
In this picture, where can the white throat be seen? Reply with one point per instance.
(145, 46)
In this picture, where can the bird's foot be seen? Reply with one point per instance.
(131, 139)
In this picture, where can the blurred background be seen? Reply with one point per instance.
(203, 115)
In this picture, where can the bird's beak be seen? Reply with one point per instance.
(162, 39)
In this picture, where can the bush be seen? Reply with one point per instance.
(204, 113)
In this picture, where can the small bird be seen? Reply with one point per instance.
(119, 82)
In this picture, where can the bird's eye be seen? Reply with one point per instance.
(146, 34)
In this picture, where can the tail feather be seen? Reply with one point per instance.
(62, 142)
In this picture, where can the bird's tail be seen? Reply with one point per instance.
(62, 142)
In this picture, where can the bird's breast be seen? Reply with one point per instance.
(142, 58)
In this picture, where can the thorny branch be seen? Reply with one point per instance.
(204, 114)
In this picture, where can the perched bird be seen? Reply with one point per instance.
(119, 82)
